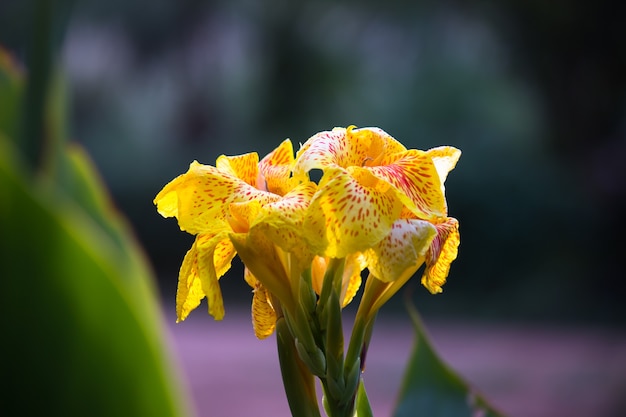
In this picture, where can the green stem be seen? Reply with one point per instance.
(299, 383)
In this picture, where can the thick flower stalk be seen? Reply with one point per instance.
(378, 206)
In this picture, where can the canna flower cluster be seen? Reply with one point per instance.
(378, 206)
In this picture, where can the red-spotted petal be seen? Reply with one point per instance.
(275, 170)
(208, 259)
(263, 313)
(442, 251)
(344, 148)
(201, 197)
(282, 222)
(345, 216)
(445, 159)
(401, 250)
(414, 175)
(245, 167)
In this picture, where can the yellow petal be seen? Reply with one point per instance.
(401, 250)
(346, 217)
(201, 197)
(276, 167)
(263, 313)
(189, 293)
(354, 265)
(445, 159)
(261, 257)
(244, 167)
(282, 222)
(344, 148)
(208, 259)
(318, 270)
(443, 250)
(242, 215)
(414, 175)
(215, 253)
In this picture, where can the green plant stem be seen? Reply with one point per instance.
(298, 381)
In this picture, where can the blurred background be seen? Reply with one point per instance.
(532, 92)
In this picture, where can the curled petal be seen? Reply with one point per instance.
(402, 250)
(263, 313)
(275, 169)
(445, 159)
(345, 216)
(442, 251)
(201, 197)
(244, 167)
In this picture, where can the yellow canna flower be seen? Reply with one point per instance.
(213, 203)
(382, 200)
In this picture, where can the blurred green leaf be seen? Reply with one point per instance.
(363, 408)
(82, 329)
(78, 339)
(433, 389)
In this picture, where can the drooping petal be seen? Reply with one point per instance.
(208, 259)
(442, 251)
(414, 175)
(208, 265)
(244, 167)
(189, 293)
(275, 169)
(263, 313)
(354, 264)
(346, 216)
(401, 250)
(200, 198)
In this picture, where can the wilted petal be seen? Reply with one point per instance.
(402, 249)
(263, 313)
(442, 251)
(345, 216)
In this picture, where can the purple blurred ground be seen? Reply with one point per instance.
(526, 371)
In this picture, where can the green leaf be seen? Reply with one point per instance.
(433, 389)
(82, 332)
(363, 408)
